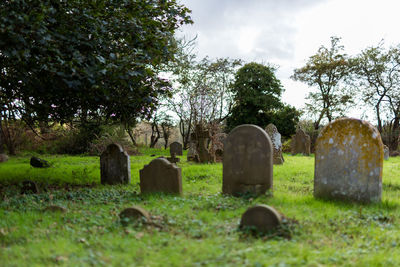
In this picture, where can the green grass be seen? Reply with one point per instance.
(196, 229)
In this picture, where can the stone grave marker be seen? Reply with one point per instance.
(115, 167)
(301, 143)
(349, 161)
(385, 152)
(261, 218)
(247, 163)
(3, 157)
(176, 148)
(39, 163)
(161, 176)
(134, 214)
(192, 154)
(275, 136)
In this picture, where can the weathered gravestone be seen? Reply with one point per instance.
(247, 163)
(385, 152)
(161, 176)
(349, 161)
(202, 136)
(192, 154)
(261, 218)
(301, 143)
(175, 149)
(115, 166)
(134, 214)
(275, 136)
(39, 163)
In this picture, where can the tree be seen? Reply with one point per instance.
(63, 60)
(377, 73)
(256, 95)
(201, 90)
(326, 70)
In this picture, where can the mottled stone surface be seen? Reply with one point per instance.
(261, 218)
(134, 214)
(247, 163)
(349, 161)
(275, 137)
(301, 143)
(175, 149)
(161, 176)
(3, 157)
(115, 167)
(386, 152)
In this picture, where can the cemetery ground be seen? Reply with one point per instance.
(198, 228)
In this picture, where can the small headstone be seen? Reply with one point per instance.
(301, 143)
(349, 161)
(55, 208)
(275, 136)
(173, 159)
(134, 214)
(386, 152)
(176, 148)
(261, 218)
(39, 163)
(29, 187)
(161, 176)
(247, 163)
(115, 166)
(3, 157)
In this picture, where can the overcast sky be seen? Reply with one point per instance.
(287, 32)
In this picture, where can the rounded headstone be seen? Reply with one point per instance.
(301, 143)
(115, 167)
(175, 149)
(134, 214)
(247, 163)
(349, 161)
(261, 218)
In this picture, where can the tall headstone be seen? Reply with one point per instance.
(161, 176)
(176, 149)
(275, 136)
(349, 161)
(115, 166)
(247, 163)
(301, 143)
(386, 152)
(202, 136)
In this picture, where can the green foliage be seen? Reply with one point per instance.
(87, 58)
(257, 100)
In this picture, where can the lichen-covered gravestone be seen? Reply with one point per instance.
(261, 218)
(349, 161)
(301, 143)
(275, 136)
(161, 176)
(175, 149)
(115, 166)
(247, 163)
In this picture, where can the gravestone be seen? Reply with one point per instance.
(115, 167)
(261, 218)
(161, 176)
(202, 136)
(3, 157)
(275, 136)
(192, 154)
(134, 214)
(385, 152)
(349, 161)
(39, 163)
(301, 143)
(247, 163)
(176, 148)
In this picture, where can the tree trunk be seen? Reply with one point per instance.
(129, 131)
(155, 135)
(394, 135)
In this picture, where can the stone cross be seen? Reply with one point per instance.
(275, 136)
(247, 163)
(115, 166)
(301, 143)
(175, 148)
(161, 176)
(349, 161)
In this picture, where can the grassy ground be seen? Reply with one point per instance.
(197, 229)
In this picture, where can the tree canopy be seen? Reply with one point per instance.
(60, 59)
(257, 99)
